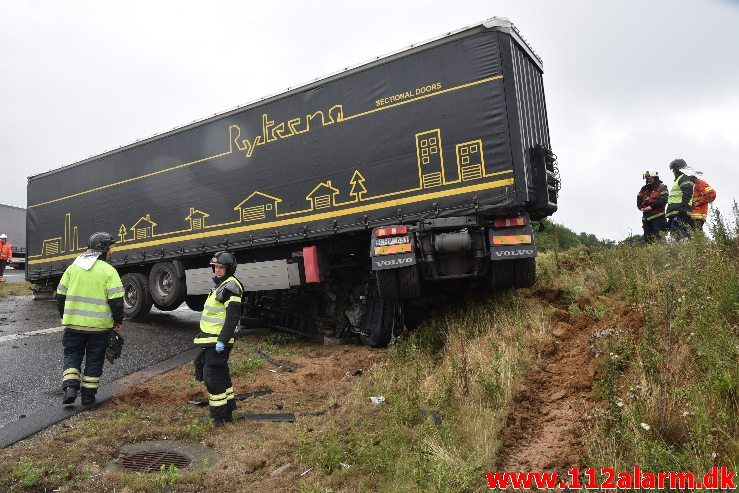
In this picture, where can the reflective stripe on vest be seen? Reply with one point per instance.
(214, 314)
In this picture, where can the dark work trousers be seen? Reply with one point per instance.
(3, 263)
(212, 368)
(89, 346)
(653, 228)
(698, 223)
(680, 226)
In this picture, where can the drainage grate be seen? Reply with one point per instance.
(152, 461)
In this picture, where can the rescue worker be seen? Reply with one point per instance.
(6, 254)
(221, 314)
(703, 195)
(90, 301)
(651, 200)
(680, 200)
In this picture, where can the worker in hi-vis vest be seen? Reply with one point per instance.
(90, 301)
(221, 314)
(680, 200)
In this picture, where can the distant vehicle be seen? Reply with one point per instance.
(342, 199)
(13, 224)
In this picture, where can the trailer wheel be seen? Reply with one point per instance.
(136, 297)
(387, 284)
(382, 319)
(196, 302)
(409, 283)
(167, 289)
(524, 272)
(502, 274)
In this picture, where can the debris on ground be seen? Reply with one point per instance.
(269, 359)
(269, 417)
(355, 373)
(281, 469)
(377, 399)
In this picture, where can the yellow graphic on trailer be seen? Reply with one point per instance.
(470, 161)
(196, 218)
(260, 210)
(68, 243)
(122, 233)
(430, 159)
(323, 196)
(358, 190)
(257, 207)
(143, 228)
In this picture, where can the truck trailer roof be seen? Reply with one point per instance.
(495, 23)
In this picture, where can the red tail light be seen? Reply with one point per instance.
(511, 221)
(391, 231)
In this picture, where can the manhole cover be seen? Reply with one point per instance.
(153, 460)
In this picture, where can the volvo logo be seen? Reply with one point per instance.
(513, 253)
(397, 261)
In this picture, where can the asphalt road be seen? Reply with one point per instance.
(31, 364)
(12, 275)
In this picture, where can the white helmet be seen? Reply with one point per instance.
(3, 236)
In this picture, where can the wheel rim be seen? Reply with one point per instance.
(130, 296)
(164, 284)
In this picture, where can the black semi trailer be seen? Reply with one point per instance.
(341, 199)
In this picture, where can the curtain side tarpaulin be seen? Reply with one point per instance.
(422, 134)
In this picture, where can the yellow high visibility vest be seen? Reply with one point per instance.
(214, 312)
(88, 291)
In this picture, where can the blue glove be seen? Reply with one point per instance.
(220, 346)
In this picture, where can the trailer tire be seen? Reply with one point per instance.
(167, 289)
(196, 302)
(502, 274)
(409, 283)
(524, 272)
(382, 319)
(387, 284)
(136, 297)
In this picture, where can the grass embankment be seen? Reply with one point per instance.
(15, 289)
(671, 386)
(655, 329)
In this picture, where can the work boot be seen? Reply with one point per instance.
(88, 399)
(70, 395)
(217, 422)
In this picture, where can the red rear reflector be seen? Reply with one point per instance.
(511, 221)
(391, 231)
(310, 262)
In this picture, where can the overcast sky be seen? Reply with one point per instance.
(630, 85)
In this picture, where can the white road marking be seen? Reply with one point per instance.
(23, 335)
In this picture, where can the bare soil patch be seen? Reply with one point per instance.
(544, 429)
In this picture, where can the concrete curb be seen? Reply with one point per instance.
(16, 431)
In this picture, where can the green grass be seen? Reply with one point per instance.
(15, 289)
(673, 397)
(459, 368)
